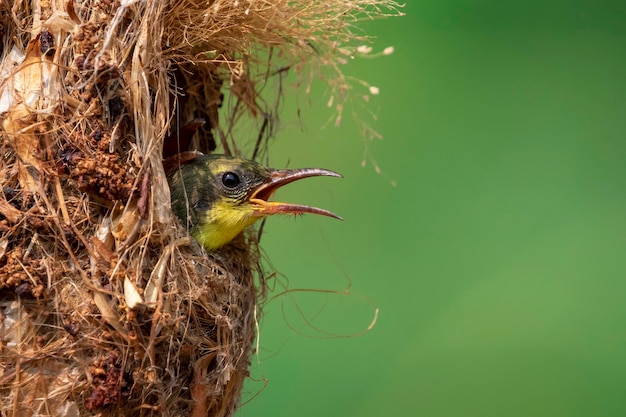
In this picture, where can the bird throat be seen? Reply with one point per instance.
(222, 224)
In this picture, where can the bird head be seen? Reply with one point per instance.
(218, 196)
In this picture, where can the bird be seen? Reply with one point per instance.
(217, 196)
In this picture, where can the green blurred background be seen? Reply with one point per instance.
(497, 262)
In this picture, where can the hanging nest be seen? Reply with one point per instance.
(107, 306)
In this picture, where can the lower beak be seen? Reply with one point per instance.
(277, 179)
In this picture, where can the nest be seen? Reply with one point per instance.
(107, 306)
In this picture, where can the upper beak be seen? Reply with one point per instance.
(277, 179)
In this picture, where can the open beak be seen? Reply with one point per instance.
(277, 179)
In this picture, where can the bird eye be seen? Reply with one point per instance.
(230, 180)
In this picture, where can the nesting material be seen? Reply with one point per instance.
(107, 306)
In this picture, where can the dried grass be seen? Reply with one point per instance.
(107, 307)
